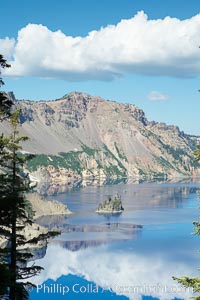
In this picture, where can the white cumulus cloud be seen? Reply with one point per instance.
(164, 47)
(157, 96)
(7, 47)
(117, 269)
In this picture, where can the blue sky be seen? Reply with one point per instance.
(150, 59)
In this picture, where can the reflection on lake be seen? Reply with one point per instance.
(128, 256)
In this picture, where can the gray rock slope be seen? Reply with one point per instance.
(81, 136)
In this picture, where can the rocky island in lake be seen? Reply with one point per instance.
(111, 206)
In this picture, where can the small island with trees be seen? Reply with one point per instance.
(111, 206)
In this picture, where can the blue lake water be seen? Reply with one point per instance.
(128, 256)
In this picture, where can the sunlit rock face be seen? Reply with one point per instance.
(42, 207)
(79, 136)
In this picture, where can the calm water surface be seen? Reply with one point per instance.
(129, 256)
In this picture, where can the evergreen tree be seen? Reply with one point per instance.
(5, 102)
(193, 282)
(15, 211)
(197, 153)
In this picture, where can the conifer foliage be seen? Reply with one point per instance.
(5, 102)
(15, 211)
(192, 282)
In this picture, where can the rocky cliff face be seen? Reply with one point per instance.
(43, 207)
(80, 136)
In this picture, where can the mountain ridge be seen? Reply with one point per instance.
(79, 135)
